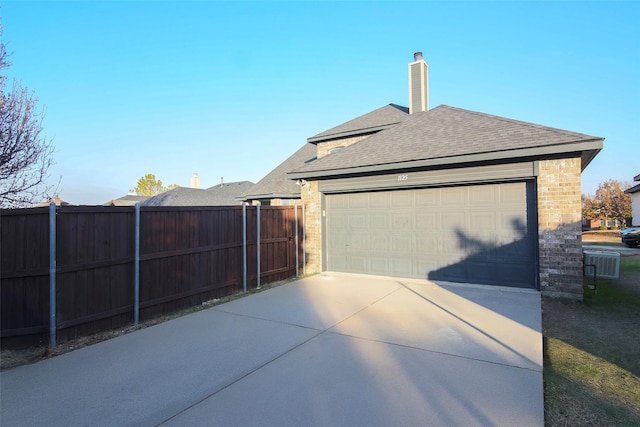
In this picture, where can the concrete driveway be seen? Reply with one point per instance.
(331, 349)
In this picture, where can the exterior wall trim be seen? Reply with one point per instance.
(566, 150)
(467, 175)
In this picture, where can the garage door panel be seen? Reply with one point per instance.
(455, 196)
(340, 222)
(338, 262)
(358, 243)
(359, 222)
(401, 199)
(427, 221)
(401, 221)
(358, 200)
(380, 244)
(483, 221)
(428, 245)
(402, 244)
(513, 193)
(380, 266)
(401, 267)
(340, 201)
(378, 221)
(453, 221)
(483, 196)
(427, 199)
(476, 234)
(379, 200)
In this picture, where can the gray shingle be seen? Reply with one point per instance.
(632, 190)
(219, 195)
(128, 200)
(376, 120)
(276, 184)
(444, 132)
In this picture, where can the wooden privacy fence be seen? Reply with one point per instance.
(106, 270)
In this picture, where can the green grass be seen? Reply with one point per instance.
(605, 243)
(592, 354)
(630, 264)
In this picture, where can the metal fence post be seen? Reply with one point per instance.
(244, 247)
(296, 236)
(258, 245)
(304, 255)
(136, 268)
(52, 275)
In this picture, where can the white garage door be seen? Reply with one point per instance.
(482, 234)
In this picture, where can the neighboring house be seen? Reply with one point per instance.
(56, 200)
(276, 188)
(588, 224)
(447, 194)
(223, 194)
(635, 201)
(128, 200)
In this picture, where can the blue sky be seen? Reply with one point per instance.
(231, 89)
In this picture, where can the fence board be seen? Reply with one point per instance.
(187, 255)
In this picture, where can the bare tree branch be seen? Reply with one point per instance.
(25, 155)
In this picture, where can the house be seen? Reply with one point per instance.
(276, 188)
(56, 200)
(223, 194)
(447, 194)
(128, 200)
(635, 202)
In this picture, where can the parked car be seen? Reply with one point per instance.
(631, 236)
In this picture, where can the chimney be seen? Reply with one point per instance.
(418, 84)
(195, 181)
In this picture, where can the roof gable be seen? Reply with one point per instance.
(445, 135)
(374, 121)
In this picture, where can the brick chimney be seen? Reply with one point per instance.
(418, 84)
(195, 181)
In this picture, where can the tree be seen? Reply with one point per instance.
(590, 209)
(148, 185)
(25, 155)
(610, 202)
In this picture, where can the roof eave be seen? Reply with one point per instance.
(588, 148)
(271, 196)
(365, 131)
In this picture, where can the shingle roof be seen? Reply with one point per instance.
(276, 184)
(634, 189)
(376, 120)
(219, 195)
(56, 201)
(442, 133)
(128, 200)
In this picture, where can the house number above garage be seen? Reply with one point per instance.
(403, 177)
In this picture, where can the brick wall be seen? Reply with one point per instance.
(559, 228)
(311, 198)
(325, 147)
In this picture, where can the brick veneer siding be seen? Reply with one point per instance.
(312, 200)
(559, 228)
(325, 147)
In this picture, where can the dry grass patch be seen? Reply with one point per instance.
(592, 354)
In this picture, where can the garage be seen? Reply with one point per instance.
(483, 233)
